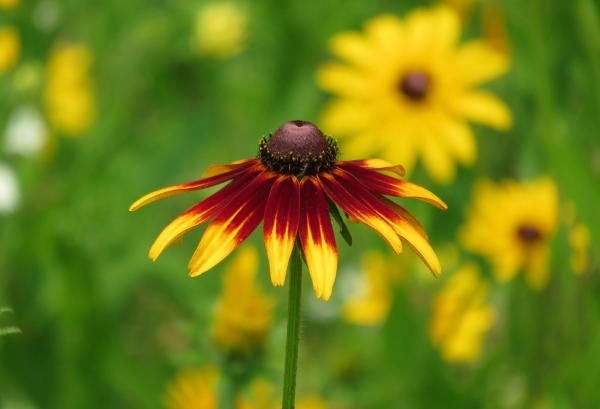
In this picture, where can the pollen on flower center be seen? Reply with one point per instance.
(415, 85)
(298, 147)
(529, 234)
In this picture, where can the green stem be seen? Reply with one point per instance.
(293, 330)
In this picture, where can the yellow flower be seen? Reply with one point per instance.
(244, 312)
(9, 4)
(10, 48)
(263, 395)
(460, 317)
(407, 89)
(220, 30)
(372, 304)
(69, 94)
(579, 239)
(193, 389)
(511, 224)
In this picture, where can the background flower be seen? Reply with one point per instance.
(406, 88)
(26, 132)
(193, 389)
(243, 313)
(511, 223)
(461, 317)
(69, 93)
(220, 29)
(10, 48)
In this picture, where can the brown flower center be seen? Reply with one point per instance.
(529, 234)
(298, 147)
(415, 85)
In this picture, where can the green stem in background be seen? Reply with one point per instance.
(293, 330)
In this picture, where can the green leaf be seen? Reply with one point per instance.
(335, 213)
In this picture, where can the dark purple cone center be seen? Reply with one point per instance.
(300, 138)
(415, 85)
(529, 234)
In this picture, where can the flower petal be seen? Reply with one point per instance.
(401, 226)
(390, 186)
(317, 237)
(469, 62)
(485, 108)
(234, 223)
(195, 185)
(359, 210)
(402, 212)
(282, 215)
(377, 164)
(217, 169)
(199, 213)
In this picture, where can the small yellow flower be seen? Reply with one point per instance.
(371, 305)
(10, 48)
(511, 224)
(407, 88)
(263, 395)
(220, 30)
(244, 312)
(69, 94)
(9, 4)
(579, 239)
(193, 389)
(461, 317)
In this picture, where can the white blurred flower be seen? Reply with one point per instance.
(26, 132)
(9, 190)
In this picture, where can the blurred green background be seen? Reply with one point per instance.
(102, 326)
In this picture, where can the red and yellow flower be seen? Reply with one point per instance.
(291, 186)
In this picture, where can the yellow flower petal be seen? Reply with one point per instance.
(483, 107)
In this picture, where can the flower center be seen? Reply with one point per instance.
(415, 85)
(298, 147)
(529, 234)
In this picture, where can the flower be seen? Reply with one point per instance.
(460, 316)
(220, 30)
(193, 389)
(69, 94)
(372, 301)
(406, 90)
(26, 132)
(244, 312)
(579, 239)
(10, 48)
(261, 395)
(292, 185)
(9, 4)
(511, 224)
(10, 195)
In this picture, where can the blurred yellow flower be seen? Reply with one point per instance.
(193, 389)
(579, 239)
(371, 305)
(9, 4)
(244, 312)
(511, 223)
(407, 89)
(220, 30)
(461, 317)
(10, 48)
(69, 94)
(262, 395)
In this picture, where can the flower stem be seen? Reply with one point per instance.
(293, 330)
